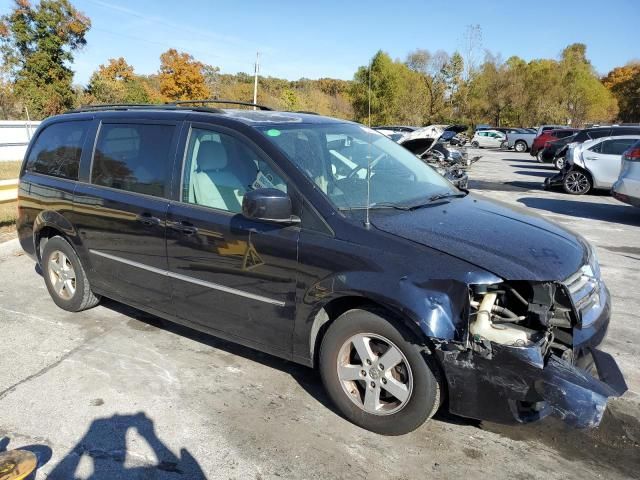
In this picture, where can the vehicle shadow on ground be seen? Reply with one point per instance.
(105, 445)
(535, 173)
(537, 166)
(612, 445)
(42, 453)
(605, 212)
(307, 378)
(515, 186)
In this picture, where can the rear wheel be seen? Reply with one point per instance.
(577, 182)
(475, 144)
(376, 374)
(65, 278)
(539, 157)
(520, 146)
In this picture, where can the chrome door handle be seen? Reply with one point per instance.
(148, 219)
(184, 227)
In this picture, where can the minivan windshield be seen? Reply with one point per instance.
(338, 158)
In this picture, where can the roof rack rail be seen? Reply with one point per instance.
(226, 102)
(308, 112)
(137, 106)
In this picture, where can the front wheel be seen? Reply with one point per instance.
(576, 182)
(559, 163)
(376, 374)
(65, 278)
(520, 146)
(475, 144)
(539, 157)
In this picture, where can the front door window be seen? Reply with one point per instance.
(219, 170)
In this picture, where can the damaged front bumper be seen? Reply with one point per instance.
(519, 384)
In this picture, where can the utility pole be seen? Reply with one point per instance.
(255, 79)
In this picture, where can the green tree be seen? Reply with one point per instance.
(37, 45)
(586, 98)
(431, 68)
(384, 81)
(397, 93)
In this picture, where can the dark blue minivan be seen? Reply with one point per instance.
(323, 242)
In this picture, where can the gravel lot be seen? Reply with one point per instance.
(114, 393)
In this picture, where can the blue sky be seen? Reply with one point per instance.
(332, 38)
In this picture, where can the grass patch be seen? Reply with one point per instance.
(10, 170)
(8, 214)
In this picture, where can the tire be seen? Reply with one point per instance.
(475, 144)
(559, 163)
(60, 264)
(577, 182)
(539, 157)
(362, 392)
(520, 146)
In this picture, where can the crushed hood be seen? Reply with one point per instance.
(506, 241)
(421, 140)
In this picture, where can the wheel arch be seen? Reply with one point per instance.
(323, 317)
(49, 224)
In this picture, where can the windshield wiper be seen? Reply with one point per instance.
(436, 197)
(380, 205)
(389, 205)
(440, 196)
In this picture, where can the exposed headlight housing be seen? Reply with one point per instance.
(594, 263)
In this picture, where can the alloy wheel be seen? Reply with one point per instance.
(375, 374)
(577, 182)
(62, 275)
(559, 163)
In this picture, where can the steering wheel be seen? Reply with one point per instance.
(373, 163)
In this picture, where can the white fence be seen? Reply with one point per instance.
(14, 138)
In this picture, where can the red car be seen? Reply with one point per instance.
(547, 136)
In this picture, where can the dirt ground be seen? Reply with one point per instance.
(113, 393)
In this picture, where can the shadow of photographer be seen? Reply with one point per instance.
(105, 446)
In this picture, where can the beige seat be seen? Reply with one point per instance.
(214, 183)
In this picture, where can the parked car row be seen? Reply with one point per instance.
(627, 187)
(598, 164)
(555, 151)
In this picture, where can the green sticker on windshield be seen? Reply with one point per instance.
(273, 132)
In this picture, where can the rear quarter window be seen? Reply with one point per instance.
(57, 150)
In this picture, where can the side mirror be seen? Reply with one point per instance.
(269, 205)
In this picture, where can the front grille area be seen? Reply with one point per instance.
(585, 288)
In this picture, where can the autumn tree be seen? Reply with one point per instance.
(37, 44)
(182, 77)
(624, 84)
(116, 82)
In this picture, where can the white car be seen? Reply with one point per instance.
(488, 138)
(627, 187)
(595, 163)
